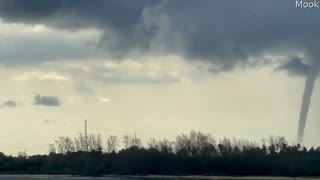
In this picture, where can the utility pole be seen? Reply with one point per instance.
(86, 135)
(85, 129)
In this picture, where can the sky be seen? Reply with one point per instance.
(156, 68)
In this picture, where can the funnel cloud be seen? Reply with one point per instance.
(306, 99)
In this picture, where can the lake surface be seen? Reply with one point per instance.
(60, 177)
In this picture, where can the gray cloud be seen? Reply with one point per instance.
(131, 75)
(46, 100)
(225, 33)
(84, 88)
(49, 46)
(295, 66)
(140, 79)
(10, 103)
(49, 121)
(117, 19)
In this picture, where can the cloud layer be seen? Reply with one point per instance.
(10, 103)
(227, 34)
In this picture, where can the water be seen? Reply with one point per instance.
(61, 177)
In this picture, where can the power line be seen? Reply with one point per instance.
(26, 147)
(38, 138)
(35, 132)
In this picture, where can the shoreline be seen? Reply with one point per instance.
(218, 177)
(124, 177)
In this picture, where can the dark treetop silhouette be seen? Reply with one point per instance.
(190, 154)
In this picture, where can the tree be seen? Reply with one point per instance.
(195, 144)
(112, 143)
(183, 145)
(81, 143)
(94, 142)
(153, 144)
(165, 146)
(225, 146)
(195, 153)
(65, 144)
(22, 154)
(136, 141)
(52, 149)
(130, 141)
(126, 141)
(276, 144)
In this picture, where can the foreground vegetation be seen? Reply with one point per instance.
(190, 154)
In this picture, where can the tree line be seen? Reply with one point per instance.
(194, 153)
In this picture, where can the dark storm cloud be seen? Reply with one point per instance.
(46, 100)
(225, 33)
(295, 66)
(229, 33)
(10, 103)
(118, 19)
